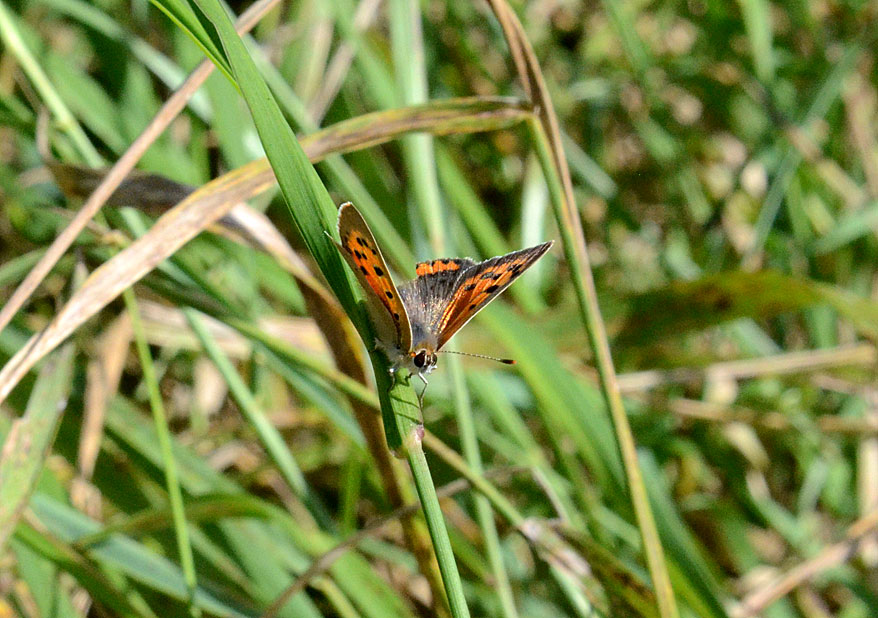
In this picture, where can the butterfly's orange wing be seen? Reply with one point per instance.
(385, 307)
(481, 283)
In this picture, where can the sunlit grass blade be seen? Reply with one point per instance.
(574, 246)
(470, 444)
(757, 19)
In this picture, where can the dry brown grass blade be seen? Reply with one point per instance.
(441, 117)
(867, 477)
(531, 77)
(772, 421)
(166, 326)
(120, 170)
(170, 232)
(102, 381)
(780, 364)
(832, 556)
(860, 107)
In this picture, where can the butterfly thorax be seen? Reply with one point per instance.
(423, 304)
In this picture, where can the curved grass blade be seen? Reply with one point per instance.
(181, 13)
(195, 213)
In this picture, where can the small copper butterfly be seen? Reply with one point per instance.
(414, 321)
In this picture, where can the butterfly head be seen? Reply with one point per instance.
(422, 360)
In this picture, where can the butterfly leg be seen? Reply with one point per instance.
(421, 396)
(392, 372)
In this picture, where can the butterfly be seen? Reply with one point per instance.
(414, 321)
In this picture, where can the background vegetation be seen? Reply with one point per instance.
(200, 434)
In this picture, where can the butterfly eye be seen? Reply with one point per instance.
(420, 359)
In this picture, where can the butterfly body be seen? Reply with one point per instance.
(413, 322)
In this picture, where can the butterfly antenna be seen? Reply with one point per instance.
(505, 361)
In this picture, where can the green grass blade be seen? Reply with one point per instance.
(175, 494)
(757, 20)
(470, 445)
(9, 33)
(827, 94)
(181, 13)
